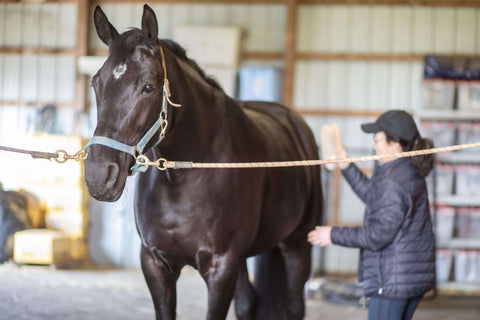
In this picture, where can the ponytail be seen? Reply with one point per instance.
(424, 163)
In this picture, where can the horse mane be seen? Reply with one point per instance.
(181, 53)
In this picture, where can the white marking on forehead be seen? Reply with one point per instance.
(119, 71)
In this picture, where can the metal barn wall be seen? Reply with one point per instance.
(264, 25)
(354, 85)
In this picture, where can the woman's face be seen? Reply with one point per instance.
(382, 147)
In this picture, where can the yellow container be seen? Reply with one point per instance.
(41, 246)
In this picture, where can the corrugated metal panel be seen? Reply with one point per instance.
(388, 29)
(47, 78)
(264, 25)
(360, 29)
(356, 85)
(466, 31)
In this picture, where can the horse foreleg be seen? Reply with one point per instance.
(245, 296)
(297, 262)
(220, 273)
(161, 278)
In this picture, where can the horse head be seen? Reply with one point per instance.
(129, 90)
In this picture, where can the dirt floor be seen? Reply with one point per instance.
(43, 293)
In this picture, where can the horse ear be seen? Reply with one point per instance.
(106, 32)
(149, 24)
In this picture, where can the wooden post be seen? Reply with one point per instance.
(82, 49)
(289, 55)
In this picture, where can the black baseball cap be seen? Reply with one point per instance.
(397, 123)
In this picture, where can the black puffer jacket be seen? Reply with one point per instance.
(397, 258)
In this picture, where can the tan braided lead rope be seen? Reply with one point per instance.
(163, 164)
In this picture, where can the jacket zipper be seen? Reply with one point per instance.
(380, 290)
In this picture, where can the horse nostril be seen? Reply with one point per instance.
(112, 175)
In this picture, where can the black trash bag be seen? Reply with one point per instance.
(13, 218)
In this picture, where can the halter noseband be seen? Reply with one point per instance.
(161, 124)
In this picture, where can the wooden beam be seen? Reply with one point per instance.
(262, 55)
(36, 103)
(81, 80)
(39, 1)
(358, 56)
(323, 112)
(433, 3)
(194, 1)
(289, 57)
(26, 50)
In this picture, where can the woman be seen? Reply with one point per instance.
(397, 257)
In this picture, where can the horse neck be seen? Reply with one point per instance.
(200, 120)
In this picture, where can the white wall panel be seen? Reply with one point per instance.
(48, 78)
(49, 28)
(476, 40)
(264, 25)
(443, 30)
(2, 74)
(29, 78)
(11, 77)
(30, 31)
(338, 80)
(401, 33)
(67, 24)
(422, 29)
(179, 14)
(12, 25)
(416, 85)
(339, 29)
(357, 91)
(306, 33)
(465, 31)
(381, 36)
(360, 29)
(278, 27)
(380, 79)
(163, 18)
(65, 84)
(400, 86)
(257, 38)
(2, 23)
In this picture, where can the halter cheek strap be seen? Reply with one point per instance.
(161, 124)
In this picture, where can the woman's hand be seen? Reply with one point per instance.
(342, 154)
(320, 236)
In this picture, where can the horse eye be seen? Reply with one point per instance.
(149, 87)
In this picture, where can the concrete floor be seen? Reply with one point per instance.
(42, 293)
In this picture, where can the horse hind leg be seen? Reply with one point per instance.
(297, 255)
(161, 278)
(271, 286)
(245, 296)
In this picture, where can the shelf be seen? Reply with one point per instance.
(337, 112)
(358, 56)
(459, 243)
(459, 200)
(459, 158)
(456, 288)
(449, 115)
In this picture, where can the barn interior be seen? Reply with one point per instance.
(334, 62)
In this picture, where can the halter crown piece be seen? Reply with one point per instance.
(161, 124)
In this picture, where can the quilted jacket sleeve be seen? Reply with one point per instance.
(383, 219)
(357, 180)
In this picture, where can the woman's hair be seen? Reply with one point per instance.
(424, 163)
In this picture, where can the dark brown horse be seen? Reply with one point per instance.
(211, 219)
